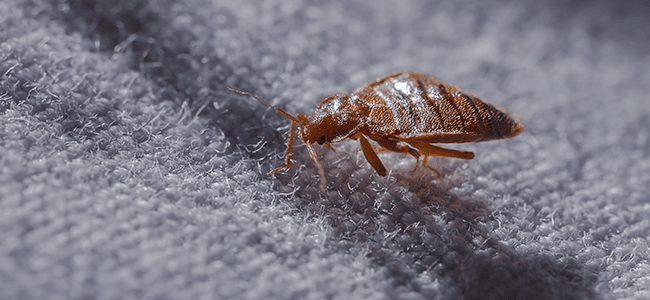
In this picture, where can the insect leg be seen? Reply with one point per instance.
(424, 164)
(289, 153)
(391, 145)
(428, 149)
(371, 156)
(394, 146)
(321, 171)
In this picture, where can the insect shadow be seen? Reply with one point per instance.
(450, 239)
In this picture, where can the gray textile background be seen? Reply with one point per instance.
(129, 171)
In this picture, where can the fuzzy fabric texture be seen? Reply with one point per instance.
(129, 171)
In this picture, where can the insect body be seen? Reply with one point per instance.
(403, 112)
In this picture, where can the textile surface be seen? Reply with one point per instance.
(128, 170)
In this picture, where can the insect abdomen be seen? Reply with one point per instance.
(413, 106)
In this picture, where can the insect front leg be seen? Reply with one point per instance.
(289, 153)
(321, 171)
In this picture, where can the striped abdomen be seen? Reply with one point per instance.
(412, 106)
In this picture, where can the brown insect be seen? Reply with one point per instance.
(403, 112)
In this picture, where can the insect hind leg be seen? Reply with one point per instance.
(424, 164)
(427, 150)
(394, 146)
(430, 150)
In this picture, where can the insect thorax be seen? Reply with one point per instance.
(333, 120)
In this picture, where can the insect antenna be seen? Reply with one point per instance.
(280, 111)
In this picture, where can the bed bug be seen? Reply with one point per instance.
(404, 112)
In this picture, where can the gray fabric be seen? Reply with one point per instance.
(129, 171)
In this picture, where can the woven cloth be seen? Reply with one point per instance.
(128, 170)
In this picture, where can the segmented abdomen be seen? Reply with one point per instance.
(413, 106)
